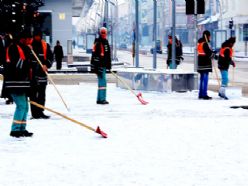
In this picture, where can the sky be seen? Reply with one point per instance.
(174, 140)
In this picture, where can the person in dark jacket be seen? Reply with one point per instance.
(17, 83)
(100, 62)
(58, 53)
(4, 44)
(2, 50)
(225, 60)
(205, 55)
(39, 80)
(179, 52)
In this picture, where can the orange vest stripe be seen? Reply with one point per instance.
(7, 55)
(222, 51)
(102, 49)
(44, 47)
(200, 49)
(20, 51)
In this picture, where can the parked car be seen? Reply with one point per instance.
(158, 47)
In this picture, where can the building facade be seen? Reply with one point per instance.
(58, 24)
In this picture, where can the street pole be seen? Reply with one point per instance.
(137, 33)
(155, 34)
(112, 33)
(173, 34)
(105, 22)
(117, 28)
(221, 22)
(196, 38)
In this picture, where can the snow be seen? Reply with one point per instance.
(175, 140)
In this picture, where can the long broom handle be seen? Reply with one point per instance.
(215, 70)
(123, 82)
(233, 75)
(62, 115)
(216, 74)
(50, 79)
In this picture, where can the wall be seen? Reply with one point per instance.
(61, 28)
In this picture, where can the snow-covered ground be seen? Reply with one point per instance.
(175, 140)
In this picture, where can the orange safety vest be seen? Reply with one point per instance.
(200, 49)
(222, 51)
(102, 49)
(21, 53)
(44, 47)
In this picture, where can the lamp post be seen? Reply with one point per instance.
(173, 29)
(114, 30)
(137, 33)
(155, 33)
(105, 20)
(196, 37)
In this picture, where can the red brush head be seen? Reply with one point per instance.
(139, 96)
(98, 130)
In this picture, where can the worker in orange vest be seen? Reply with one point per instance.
(17, 82)
(205, 55)
(225, 60)
(39, 79)
(100, 62)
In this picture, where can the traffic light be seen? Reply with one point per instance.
(190, 7)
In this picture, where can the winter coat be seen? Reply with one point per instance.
(17, 70)
(101, 55)
(58, 52)
(179, 52)
(225, 59)
(205, 56)
(46, 58)
(2, 52)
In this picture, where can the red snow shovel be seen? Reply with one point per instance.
(139, 95)
(98, 130)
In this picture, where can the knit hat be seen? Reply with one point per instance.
(206, 33)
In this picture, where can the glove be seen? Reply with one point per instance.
(108, 70)
(233, 64)
(181, 58)
(216, 57)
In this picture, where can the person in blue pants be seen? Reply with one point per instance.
(225, 60)
(100, 63)
(205, 55)
(17, 83)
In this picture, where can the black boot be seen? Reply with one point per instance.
(25, 133)
(207, 98)
(8, 102)
(43, 116)
(16, 134)
(35, 116)
(102, 102)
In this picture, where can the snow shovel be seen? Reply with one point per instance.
(50, 79)
(97, 130)
(233, 91)
(139, 95)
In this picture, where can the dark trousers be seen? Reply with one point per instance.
(203, 88)
(38, 95)
(58, 64)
